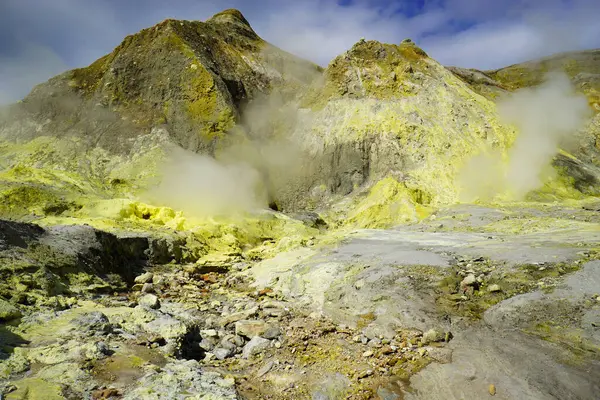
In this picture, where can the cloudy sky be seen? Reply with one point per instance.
(41, 38)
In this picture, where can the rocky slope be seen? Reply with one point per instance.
(191, 77)
(390, 109)
(109, 292)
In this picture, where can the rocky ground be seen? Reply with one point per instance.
(473, 302)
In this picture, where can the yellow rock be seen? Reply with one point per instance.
(35, 389)
(492, 390)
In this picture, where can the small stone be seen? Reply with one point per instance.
(494, 288)
(443, 355)
(365, 374)
(598, 299)
(227, 343)
(492, 390)
(208, 356)
(238, 340)
(274, 309)
(367, 353)
(255, 346)
(422, 352)
(469, 280)
(277, 345)
(265, 369)
(158, 280)
(212, 333)
(144, 278)
(207, 344)
(221, 353)
(356, 339)
(250, 328)
(103, 348)
(272, 333)
(147, 288)
(149, 301)
(433, 335)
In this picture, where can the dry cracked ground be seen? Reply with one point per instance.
(474, 302)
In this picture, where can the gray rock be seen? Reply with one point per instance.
(149, 301)
(238, 340)
(222, 353)
(207, 344)
(144, 278)
(103, 348)
(255, 346)
(94, 321)
(147, 288)
(272, 333)
(228, 343)
(8, 311)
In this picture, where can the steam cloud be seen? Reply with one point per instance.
(201, 186)
(245, 176)
(545, 117)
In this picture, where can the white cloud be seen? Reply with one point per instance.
(479, 34)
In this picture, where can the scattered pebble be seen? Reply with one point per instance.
(367, 353)
(492, 390)
(494, 288)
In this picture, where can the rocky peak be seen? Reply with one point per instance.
(230, 16)
(194, 77)
(376, 70)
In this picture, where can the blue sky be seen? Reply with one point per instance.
(41, 38)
